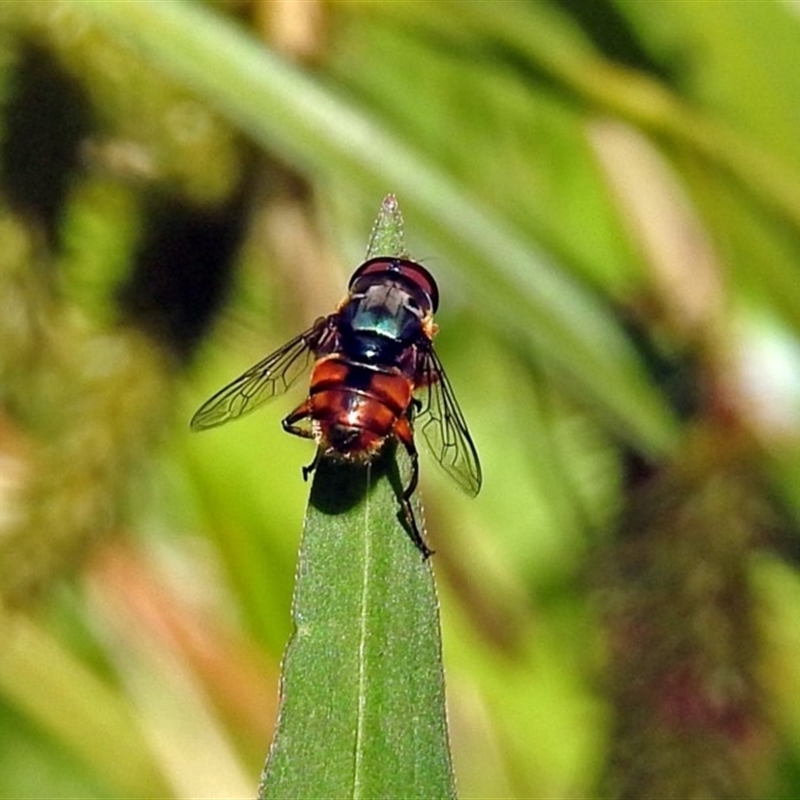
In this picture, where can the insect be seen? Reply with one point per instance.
(375, 377)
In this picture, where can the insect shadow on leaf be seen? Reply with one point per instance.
(340, 485)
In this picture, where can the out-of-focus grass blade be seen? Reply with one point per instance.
(362, 696)
(38, 676)
(541, 34)
(286, 110)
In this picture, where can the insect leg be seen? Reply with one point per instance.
(405, 435)
(312, 466)
(290, 425)
(303, 411)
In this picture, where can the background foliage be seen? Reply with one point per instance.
(609, 195)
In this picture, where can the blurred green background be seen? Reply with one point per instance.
(609, 196)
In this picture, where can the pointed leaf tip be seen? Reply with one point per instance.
(388, 237)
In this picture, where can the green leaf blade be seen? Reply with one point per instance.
(362, 699)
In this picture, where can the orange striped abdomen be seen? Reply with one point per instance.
(355, 408)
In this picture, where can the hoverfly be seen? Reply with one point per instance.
(370, 358)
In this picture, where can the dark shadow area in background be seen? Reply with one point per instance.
(47, 117)
(184, 269)
(612, 34)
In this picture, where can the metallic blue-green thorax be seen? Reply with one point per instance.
(379, 323)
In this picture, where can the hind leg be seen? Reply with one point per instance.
(405, 435)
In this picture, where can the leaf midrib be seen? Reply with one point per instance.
(362, 643)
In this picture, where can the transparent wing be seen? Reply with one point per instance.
(270, 377)
(442, 425)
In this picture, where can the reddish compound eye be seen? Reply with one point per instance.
(415, 274)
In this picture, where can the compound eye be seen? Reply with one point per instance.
(415, 275)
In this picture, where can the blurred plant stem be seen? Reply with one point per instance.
(684, 648)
